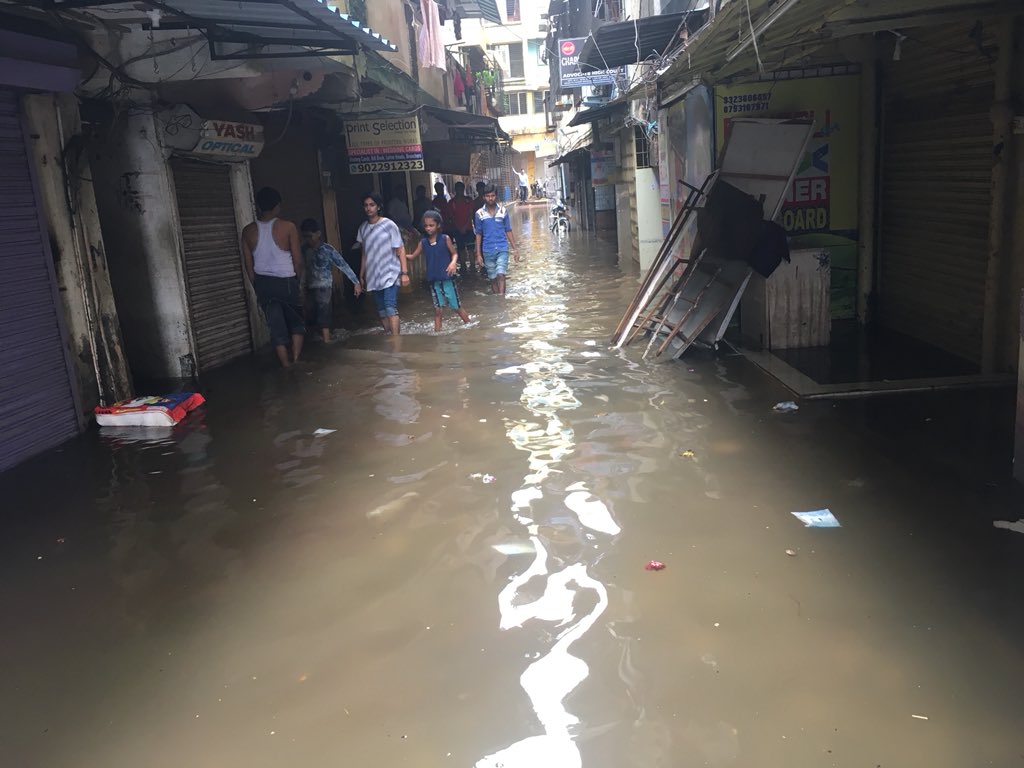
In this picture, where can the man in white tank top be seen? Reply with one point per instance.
(273, 261)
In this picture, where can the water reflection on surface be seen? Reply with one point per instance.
(455, 575)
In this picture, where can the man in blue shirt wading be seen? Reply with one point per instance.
(493, 237)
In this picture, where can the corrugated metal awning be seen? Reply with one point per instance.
(631, 42)
(787, 31)
(467, 127)
(578, 142)
(283, 25)
(592, 115)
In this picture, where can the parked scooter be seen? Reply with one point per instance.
(560, 218)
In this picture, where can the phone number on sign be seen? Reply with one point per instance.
(398, 165)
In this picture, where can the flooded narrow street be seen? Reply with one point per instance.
(456, 575)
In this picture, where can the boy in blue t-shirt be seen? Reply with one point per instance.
(320, 257)
(442, 262)
(493, 229)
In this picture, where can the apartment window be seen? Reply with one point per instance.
(540, 98)
(643, 148)
(512, 10)
(516, 103)
(610, 10)
(357, 10)
(510, 59)
(535, 48)
(516, 66)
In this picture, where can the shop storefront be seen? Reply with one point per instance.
(38, 407)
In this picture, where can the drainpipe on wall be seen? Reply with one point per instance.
(1001, 139)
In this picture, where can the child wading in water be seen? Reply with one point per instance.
(442, 262)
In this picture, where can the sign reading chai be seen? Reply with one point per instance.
(384, 144)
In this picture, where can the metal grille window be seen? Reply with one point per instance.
(643, 147)
(516, 103)
(540, 100)
(512, 10)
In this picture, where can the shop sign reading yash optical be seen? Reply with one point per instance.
(229, 141)
(384, 144)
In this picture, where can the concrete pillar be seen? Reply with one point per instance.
(245, 213)
(76, 240)
(866, 220)
(1002, 113)
(139, 214)
(648, 209)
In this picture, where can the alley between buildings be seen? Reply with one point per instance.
(456, 574)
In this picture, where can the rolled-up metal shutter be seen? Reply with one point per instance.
(37, 401)
(936, 186)
(213, 263)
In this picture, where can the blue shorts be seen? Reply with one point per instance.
(444, 292)
(387, 301)
(496, 263)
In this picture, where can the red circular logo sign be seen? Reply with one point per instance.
(568, 48)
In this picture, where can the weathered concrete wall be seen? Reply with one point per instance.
(1012, 273)
(134, 194)
(388, 19)
(76, 241)
(1018, 450)
(245, 212)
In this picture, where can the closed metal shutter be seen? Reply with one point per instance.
(37, 401)
(213, 263)
(936, 186)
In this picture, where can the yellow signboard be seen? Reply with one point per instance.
(821, 206)
(384, 144)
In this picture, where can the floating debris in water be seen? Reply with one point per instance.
(323, 432)
(488, 479)
(786, 407)
(791, 552)
(655, 565)
(920, 717)
(819, 518)
(1006, 524)
(688, 455)
(514, 548)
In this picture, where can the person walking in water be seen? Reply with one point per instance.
(384, 265)
(442, 262)
(461, 207)
(524, 184)
(320, 256)
(493, 237)
(273, 261)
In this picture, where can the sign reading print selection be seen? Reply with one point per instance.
(572, 75)
(384, 144)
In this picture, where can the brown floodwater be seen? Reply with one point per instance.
(456, 575)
